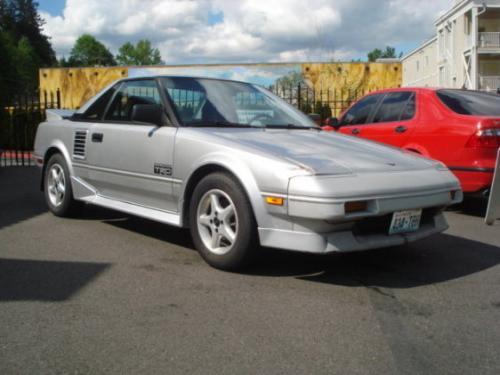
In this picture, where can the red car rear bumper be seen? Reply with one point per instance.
(474, 180)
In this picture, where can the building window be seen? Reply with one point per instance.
(467, 23)
(442, 76)
(441, 45)
(418, 65)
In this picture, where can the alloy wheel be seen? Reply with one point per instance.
(217, 221)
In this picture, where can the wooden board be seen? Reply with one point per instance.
(77, 85)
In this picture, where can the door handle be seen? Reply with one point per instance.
(355, 131)
(400, 129)
(97, 137)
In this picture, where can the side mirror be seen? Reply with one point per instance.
(333, 122)
(149, 113)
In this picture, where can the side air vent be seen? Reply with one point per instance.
(80, 144)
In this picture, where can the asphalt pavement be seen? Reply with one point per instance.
(109, 293)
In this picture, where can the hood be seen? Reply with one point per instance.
(325, 152)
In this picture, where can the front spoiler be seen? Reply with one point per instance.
(344, 241)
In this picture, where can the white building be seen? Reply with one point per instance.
(464, 53)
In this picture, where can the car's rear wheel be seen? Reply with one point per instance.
(222, 223)
(57, 188)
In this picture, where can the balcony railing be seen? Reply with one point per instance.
(489, 40)
(489, 83)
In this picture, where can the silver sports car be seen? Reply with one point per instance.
(239, 167)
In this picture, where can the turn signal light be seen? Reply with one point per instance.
(355, 206)
(275, 201)
(486, 136)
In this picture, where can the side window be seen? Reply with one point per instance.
(410, 108)
(96, 110)
(393, 106)
(130, 94)
(360, 112)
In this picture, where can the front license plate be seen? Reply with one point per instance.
(405, 221)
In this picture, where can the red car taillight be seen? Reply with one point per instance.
(487, 135)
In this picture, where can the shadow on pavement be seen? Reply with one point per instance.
(20, 195)
(33, 280)
(146, 227)
(153, 229)
(471, 206)
(437, 259)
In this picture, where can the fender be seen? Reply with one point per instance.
(64, 151)
(59, 145)
(241, 171)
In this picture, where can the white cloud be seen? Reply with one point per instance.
(251, 30)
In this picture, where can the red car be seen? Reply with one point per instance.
(461, 128)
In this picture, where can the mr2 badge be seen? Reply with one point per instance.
(163, 169)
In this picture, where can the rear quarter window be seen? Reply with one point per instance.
(96, 110)
(470, 103)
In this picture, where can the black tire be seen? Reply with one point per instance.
(244, 248)
(68, 206)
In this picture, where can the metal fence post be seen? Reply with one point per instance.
(493, 210)
(299, 99)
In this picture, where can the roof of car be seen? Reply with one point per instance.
(181, 76)
(407, 89)
(419, 89)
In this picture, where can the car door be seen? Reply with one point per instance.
(131, 161)
(82, 122)
(392, 120)
(354, 119)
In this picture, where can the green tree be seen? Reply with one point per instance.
(140, 54)
(88, 51)
(291, 79)
(389, 52)
(23, 47)
(322, 109)
(27, 62)
(6, 71)
(21, 19)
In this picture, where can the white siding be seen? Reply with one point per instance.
(453, 58)
(420, 67)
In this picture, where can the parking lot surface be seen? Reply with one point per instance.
(115, 294)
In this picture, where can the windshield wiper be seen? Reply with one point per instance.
(220, 124)
(290, 126)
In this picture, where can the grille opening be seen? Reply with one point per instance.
(381, 224)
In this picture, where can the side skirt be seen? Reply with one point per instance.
(86, 193)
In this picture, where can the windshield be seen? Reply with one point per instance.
(473, 103)
(211, 102)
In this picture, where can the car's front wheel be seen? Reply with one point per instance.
(57, 188)
(222, 223)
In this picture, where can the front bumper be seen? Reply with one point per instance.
(346, 240)
(323, 197)
(315, 218)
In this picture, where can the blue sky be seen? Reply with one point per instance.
(54, 7)
(229, 31)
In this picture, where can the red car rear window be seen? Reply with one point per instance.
(473, 103)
